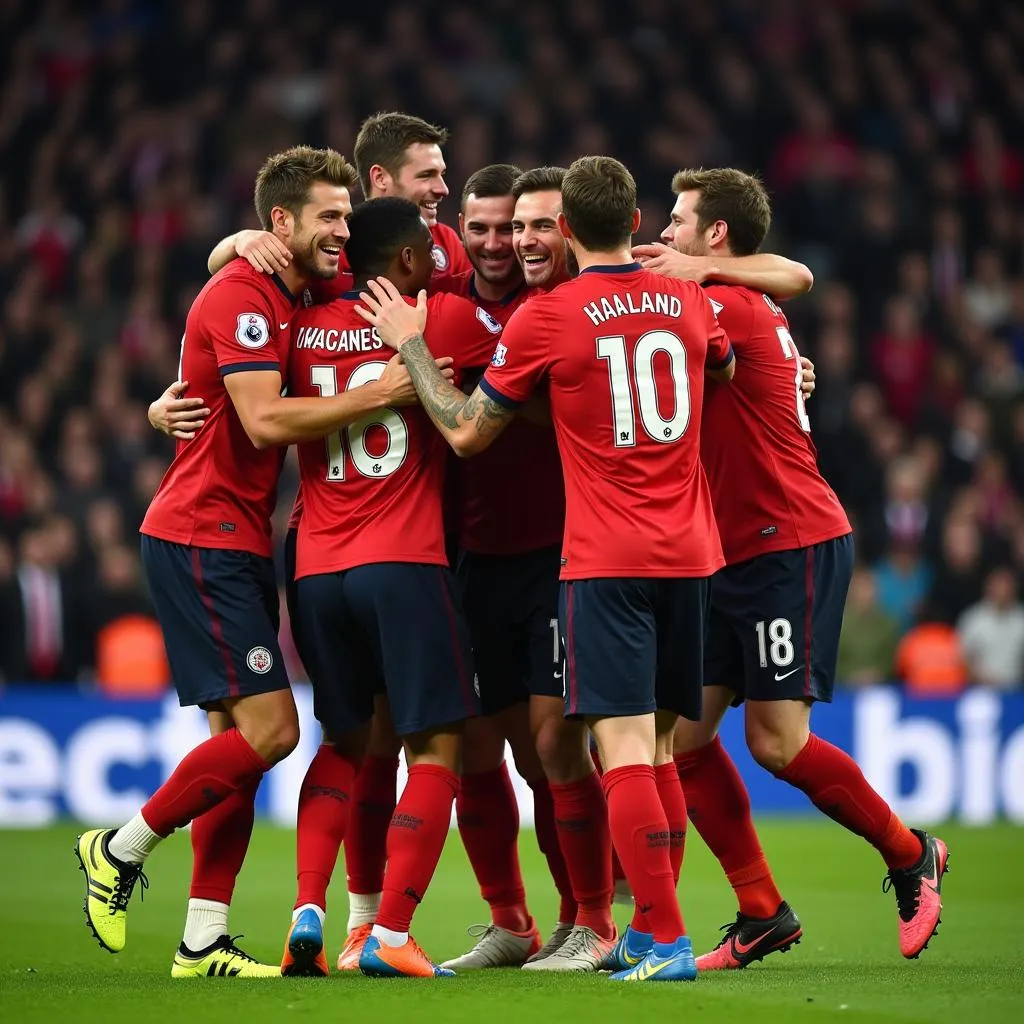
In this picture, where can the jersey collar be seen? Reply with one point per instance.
(283, 288)
(503, 301)
(618, 268)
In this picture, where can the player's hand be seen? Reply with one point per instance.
(386, 309)
(264, 250)
(672, 263)
(397, 385)
(175, 416)
(807, 377)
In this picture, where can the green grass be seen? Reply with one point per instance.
(848, 966)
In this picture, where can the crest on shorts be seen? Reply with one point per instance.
(260, 660)
(440, 257)
(498, 359)
(252, 330)
(488, 321)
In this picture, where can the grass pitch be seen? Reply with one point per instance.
(847, 967)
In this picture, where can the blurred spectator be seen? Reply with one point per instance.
(867, 645)
(992, 634)
(929, 661)
(960, 571)
(903, 578)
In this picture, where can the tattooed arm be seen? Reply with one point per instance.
(470, 424)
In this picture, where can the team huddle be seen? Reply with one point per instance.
(556, 492)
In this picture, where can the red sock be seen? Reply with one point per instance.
(641, 834)
(373, 804)
(618, 875)
(547, 840)
(673, 801)
(719, 808)
(837, 787)
(488, 818)
(220, 839)
(325, 802)
(415, 841)
(581, 817)
(204, 777)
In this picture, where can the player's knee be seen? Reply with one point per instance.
(563, 751)
(768, 749)
(276, 738)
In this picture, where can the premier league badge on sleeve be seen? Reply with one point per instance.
(440, 258)
(252, 331)
(498, 359)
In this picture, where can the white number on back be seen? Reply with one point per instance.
(790, 352)
(664, 431)
(325, 380)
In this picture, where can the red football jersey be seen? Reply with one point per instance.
(755, 442)
(623, 352)
(220, 491)
(372, 492)
(511, 497)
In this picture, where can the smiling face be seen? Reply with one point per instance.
(319, 232)
(420, 180)
(682, 233)
(486, 226)
(538, 244)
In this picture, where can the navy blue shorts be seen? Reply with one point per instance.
(633, 646)
(390, 627)
(219, 613)
(773, 632)
(511, 606)
(290, 592)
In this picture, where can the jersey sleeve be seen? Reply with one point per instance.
(520, 360)
(240, 322)
(720, 351)
(463, 330)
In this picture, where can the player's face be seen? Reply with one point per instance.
(486, 226)
(539, 247)
(421, 179)
(320, 231)
(681, 232)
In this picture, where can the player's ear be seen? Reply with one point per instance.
(379, 178)
(636, 222)
(282, 221)
(563, 226)
(719, 231)
(462, 225)
(407, 258)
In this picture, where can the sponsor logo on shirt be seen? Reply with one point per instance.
(252, 331)
(440, 257)
(488, 321)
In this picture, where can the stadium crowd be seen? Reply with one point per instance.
(130, 134)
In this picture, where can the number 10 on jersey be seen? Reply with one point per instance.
(353, 437)
(623, 380)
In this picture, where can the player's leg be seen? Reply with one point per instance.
(717, 800)
(486, 808)
(339, 671)
(413, 621)
(220, 839)
(648, 949)
(222, 646)
(802, 649)
(373, 804)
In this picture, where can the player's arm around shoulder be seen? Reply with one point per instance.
(263, 250)
(780, 277)
(469, 425)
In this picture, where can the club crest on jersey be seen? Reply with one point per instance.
(716, 306)
(488, 321)
(498, 359)
(260, 660)
(252, 331)
(440, 257)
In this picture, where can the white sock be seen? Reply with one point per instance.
(362, 908)
(134, 841)
(388, 937)
(319, 911)
(205, 922)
